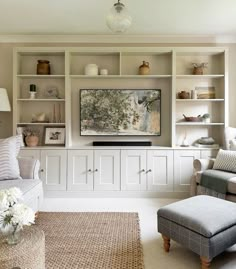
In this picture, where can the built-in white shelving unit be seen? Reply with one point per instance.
(170, 71)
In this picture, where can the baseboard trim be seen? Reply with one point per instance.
(114, 194)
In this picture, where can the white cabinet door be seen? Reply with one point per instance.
(30, 153)
(80, 170)
(183, 168)
(133, 170)
(53, 164)
(107, 170)
(208, 153)
(160, 170)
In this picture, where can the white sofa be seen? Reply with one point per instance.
(30, 184)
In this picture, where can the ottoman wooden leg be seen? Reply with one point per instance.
(166, 243)
(205, 263)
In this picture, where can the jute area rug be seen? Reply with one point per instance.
(92, 240)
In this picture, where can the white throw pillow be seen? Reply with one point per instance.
(232, 144)
(9, 149)
(225, 160)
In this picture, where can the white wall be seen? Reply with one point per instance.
(6, 68)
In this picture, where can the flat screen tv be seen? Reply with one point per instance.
(120, 112)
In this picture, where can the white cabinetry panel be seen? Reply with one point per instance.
(183, 168)
(133, 170)
(53, 163)
(160, 170)
(208, 153)
(107, 170)
(80, 170)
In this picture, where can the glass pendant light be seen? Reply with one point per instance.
(118, 20)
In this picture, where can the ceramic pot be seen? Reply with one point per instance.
(198, 71)
(144, 69)
(31, 140)
(91, 70)
(43, 67)
(183, 95)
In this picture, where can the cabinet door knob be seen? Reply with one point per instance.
(42, 170)
(96, 170)
(149, 170)
(90, 170)
(142, 170)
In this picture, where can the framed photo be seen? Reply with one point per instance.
(54, 136)
(120, 112)
(205, 92)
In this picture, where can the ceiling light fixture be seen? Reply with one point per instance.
(118, 20)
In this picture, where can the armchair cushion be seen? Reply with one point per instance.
(226, 161)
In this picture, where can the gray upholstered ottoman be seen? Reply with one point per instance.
(204, 224)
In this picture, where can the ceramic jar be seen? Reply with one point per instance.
(103, 72)
(144, 69)
(43, 67)
(31, 140)
(183, 95)
(91, 70)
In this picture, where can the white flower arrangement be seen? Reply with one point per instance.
(13, 214)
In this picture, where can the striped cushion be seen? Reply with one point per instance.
(225, 160)
(9, 149)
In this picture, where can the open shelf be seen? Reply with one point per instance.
(199, 124)
(40, 76)
(41, 123)
(40, 100)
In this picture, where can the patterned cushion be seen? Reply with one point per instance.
(9, 149)
(225, 160)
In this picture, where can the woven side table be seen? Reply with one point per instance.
(29, 253)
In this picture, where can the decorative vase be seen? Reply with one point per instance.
(31, 140)
(144, 69)
(43, 67)
(91, 70)
(14, 238)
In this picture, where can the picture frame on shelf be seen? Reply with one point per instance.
(54, 136)
(205, 92)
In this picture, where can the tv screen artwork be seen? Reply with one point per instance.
(128, 112)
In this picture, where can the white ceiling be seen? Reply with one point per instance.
(87, 17)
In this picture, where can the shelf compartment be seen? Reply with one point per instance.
(40, 100)
(160, 62)
(28, 61)
(41, 123)
(199, 124)
(198, 100)
(215, 60)
(28, 110)
(40, 76)
(199, 76)
(42, 85)
(119, 76)
(104, 60)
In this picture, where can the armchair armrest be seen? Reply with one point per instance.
(29, 168)
(201, 165)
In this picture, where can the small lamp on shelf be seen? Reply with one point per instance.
(4, 101)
